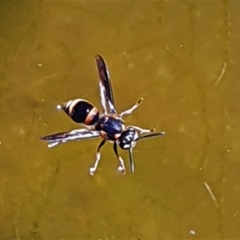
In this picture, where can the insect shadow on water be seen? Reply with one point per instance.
(108, 125)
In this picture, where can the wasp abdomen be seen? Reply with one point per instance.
(81, 111)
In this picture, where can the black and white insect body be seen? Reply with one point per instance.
(108, 125)
(81, 111)
(127, 139)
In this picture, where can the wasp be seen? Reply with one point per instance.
(109, 125)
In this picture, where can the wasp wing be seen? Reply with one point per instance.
(62, 137)
(106, 91)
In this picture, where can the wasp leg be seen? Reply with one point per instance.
(142, 130)
(93, 169)
(130, 110)
(121, 167)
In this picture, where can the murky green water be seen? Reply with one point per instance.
(182, 57)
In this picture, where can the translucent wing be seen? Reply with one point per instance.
(62, 137)
(106, 91)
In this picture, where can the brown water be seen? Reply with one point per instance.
(182, 57)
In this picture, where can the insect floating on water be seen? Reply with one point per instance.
(108, 125)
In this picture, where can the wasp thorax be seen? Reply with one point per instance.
(81, 111)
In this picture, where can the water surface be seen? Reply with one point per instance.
(182, 57)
